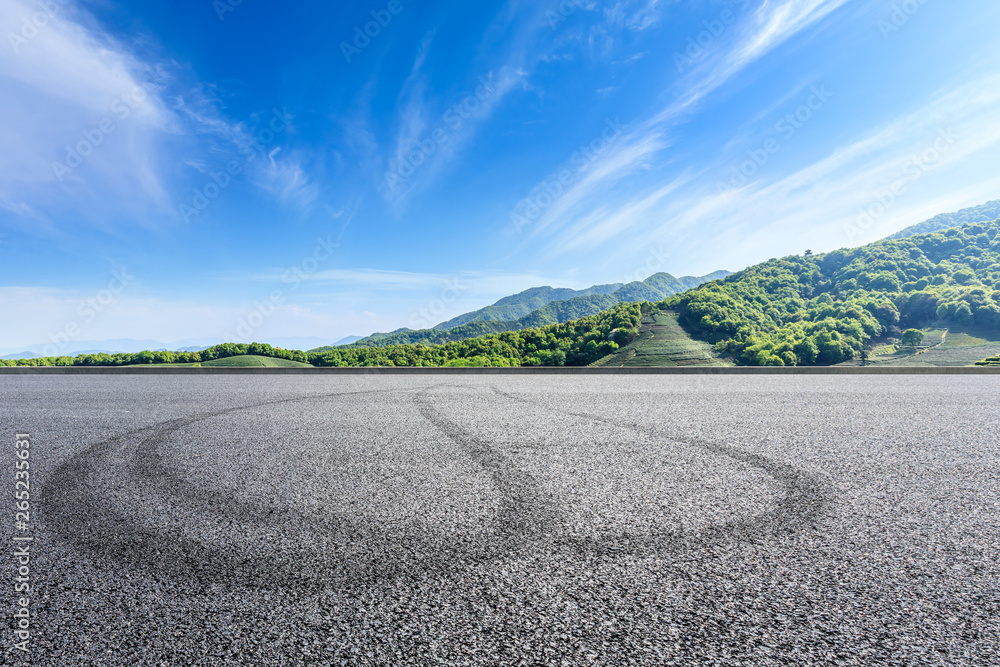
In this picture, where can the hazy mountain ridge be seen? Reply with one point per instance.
(585, 303)
(523, 303)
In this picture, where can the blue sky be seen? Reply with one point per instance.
(195, 170)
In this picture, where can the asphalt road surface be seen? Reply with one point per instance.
(505, 520)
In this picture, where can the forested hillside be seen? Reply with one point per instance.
(984, 213)
(826, 309)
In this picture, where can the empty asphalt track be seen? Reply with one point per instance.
(506, 520)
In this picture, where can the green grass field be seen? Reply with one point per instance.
(249, 361)
(663, 341)
(245, 361)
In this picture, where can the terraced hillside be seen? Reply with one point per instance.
(662, 341)
(940, 347)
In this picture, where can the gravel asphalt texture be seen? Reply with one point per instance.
(507, 520)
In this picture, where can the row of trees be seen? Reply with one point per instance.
(575, 343)
(148, 357)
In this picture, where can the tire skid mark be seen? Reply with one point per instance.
(78, 510)
(524, 516)
(806, 499)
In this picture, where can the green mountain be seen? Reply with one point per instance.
(517, 306)
(584, 304)
(827, 309)
(984, 213)
(576, 343)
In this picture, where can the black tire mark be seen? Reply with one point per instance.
(524, 516)
(79, 512)
(805, 501)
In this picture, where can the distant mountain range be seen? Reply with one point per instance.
(515, 307)
(540, 306)
(987, 212)
(348, 340)
(21, 355)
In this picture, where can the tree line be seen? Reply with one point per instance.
(575, 343)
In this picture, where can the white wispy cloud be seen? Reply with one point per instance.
(428, 142)
(94, 128)
(925, 152)
(60, 85)
(758, 33)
